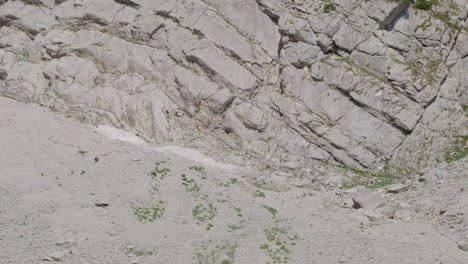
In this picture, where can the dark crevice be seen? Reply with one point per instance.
(397, 14)
(274, 17)
(128, 3)
(372, 111)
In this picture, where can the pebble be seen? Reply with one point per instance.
(57, 255)
(68, 243)
(368, 199)
(101, 204)
(463, 244)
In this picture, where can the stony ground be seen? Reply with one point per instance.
(121, 202)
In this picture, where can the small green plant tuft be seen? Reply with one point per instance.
(423, 4)
(233, 228)
(329, 7)
(458, 151)
(139, 252)
(271, 210)
(260, 194)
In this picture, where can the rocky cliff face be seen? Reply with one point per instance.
(365, 84)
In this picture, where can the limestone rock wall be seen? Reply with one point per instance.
(362, 83)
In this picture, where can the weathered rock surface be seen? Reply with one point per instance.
(361, 83)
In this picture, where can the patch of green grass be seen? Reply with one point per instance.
(279, 245)
(329, 7)
(149, 214)
(423, 4)
(197, 168)
(264, 246)
(212, 252)
(458, 151)
(160, 170)
(271, 210)
(203, 213)
(50, 83)
(368, 179)
(190, 184)
(82, 172)
(465, 107)
(229, 183)
(139, 252)
(233, 228)
(238, 210)
(200, 170)
(259, 193)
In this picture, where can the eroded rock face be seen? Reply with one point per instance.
(291, 82)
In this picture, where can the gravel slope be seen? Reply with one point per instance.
(53, 206)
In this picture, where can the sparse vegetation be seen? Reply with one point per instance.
(238, 210)
(149, 214)
(459, 150)
(212, 253)
(139, 252)
(368, 179)
(203, 213)
(197, 168)
(159, 171)
(190, 184)
(279, 245)
(200, 170)
(233, 227)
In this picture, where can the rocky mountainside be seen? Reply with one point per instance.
(248, 131)
(366, 84)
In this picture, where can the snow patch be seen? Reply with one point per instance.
(119, 134)
(191, 154)
(195, 156)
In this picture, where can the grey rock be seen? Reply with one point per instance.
(368, 199)
(383, 11)
(463, 244)
(396, 188)
(372, 46)
(388, 211)
(251, 116)
(67, 243)
(57, 255)
(3, 74)
(219, 101)
(348, 38)
(373, 216)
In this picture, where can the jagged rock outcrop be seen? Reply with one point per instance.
(360, 83)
